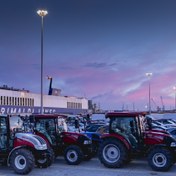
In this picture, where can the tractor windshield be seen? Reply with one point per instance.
(122, 125)
(47, 127)
(126, 127)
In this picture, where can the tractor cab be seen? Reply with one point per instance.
(8, 128)
(130, 126)
(52, 128)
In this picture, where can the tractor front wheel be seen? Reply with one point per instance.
(22, 161)
(73, 155)
(160, 159)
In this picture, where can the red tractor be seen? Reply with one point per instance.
(74, 146)
(21, 150)
(131, 135)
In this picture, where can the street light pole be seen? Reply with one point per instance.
(42, 13)
(174, 88)
(149, 99)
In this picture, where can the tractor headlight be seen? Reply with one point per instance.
(87, 142)
(41, 147)
(173, 144)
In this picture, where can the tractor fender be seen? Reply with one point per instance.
(157, 146)
(119, 137)
(19, 147)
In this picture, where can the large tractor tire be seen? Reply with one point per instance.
(160, 159)
(112, 153)
(22, 161)
(73, 155)
(46, 162)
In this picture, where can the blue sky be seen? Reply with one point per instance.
(100, 49)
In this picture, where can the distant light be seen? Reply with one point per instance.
(174, 87)
(42, 13)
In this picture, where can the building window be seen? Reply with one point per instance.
(73, 105)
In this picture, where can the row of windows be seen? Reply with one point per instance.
(72, 105)
(16, 101)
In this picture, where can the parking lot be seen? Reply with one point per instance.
(93, 168)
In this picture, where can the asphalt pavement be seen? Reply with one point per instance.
(93, 168)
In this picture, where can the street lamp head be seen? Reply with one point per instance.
(149, 74)
(49, 77)
(42, 13)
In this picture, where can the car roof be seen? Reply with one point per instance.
(49, 116)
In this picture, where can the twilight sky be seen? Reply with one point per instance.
(100, 49)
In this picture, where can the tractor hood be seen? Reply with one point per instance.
(71, 137)
(38, 142)
(152, 137)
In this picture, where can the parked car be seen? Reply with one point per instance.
(161, 122)
(172, 131)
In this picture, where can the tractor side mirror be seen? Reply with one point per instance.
(76, 123)
(149, 123)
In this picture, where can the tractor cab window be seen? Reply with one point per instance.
(16, 123)
(3, 126)
(123, 125)
(3, 133)
(145, 122)
(47, 125)
(62, 125)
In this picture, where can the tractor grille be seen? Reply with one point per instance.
(41, 140)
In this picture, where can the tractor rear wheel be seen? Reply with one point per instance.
(73, 155)
(22, 161)
(160, 159)
(113, 153)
